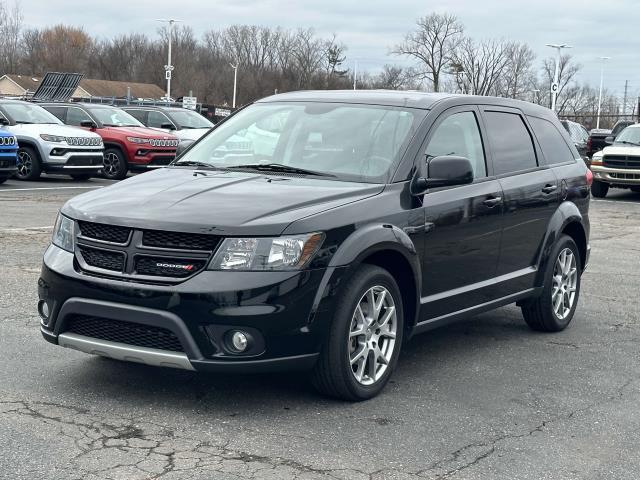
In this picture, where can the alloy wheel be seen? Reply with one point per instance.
(372, 335)
(24, 164)
(565, 280)
(111, 164)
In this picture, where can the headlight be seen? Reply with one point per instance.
(138, 140)
(279, 253)
(63, 233)
(53, 138)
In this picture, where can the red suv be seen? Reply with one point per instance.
(128, 144)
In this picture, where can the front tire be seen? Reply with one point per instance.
(29, 165)
(363, 344)
(599, 189)
(114, 165)
(554, 309)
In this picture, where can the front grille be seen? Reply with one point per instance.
(162, 160)
(104, 259)
(178, 240)
(7, 162)
(124, 332)
(625, 176)
(621, 161)
(84, 161)
(105, 233)
(168, 267)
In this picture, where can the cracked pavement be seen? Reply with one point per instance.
(483, 398)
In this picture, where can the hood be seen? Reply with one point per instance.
(36, 129)
(222, 202)
(621, 150)
(141, 132)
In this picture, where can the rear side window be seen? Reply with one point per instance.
(554, 148)
(511, 142)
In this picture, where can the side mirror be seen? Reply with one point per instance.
(168, 126)
(444, 171)
(88, 124)
(4, 121)
(609, 140)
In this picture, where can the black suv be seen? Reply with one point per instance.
(360, 219)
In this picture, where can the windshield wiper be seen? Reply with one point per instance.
(278, 167)
(21, 122)
(195, 163)
(626, 142)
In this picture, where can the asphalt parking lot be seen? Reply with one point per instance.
(484, 398)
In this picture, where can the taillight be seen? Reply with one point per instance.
(589, 144)
(589, 177)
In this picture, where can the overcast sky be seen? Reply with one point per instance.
(369, 27)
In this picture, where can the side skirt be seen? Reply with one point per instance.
(436, 322)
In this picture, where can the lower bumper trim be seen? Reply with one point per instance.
(128, 353)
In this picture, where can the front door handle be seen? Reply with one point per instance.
(493, 201)
(549, 188)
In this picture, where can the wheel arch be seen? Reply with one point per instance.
(31, 144)
(390, 248)
(568, 220)
(111, 144)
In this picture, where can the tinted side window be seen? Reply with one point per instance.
(58, 112)
(459, 135)
(75, 116)
(554, 148)
(157, 119)
(140, 115)
(511, 142)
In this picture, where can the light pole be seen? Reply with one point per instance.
(536, 96)
(604, 59)
(168, 68)
(555, 87)
(235, 82)
(355, 75)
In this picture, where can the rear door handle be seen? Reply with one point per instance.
(549, 188)
(493, 201)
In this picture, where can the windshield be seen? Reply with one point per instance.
(629, 134)
(114, 117)
(351, 142)
(189, 119)
(29, 113)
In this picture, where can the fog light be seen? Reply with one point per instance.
(43, 310)
(239, 341)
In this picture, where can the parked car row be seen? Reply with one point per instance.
(83, 140)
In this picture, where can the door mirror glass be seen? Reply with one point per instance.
(609, 140)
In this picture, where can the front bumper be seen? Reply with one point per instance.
(72, 159)
(289, 311)
(146, 158)
(616, 176)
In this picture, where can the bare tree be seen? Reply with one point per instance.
(10, 37)
(432, 44)
(518, 77)
(567, 71)
(482, 64)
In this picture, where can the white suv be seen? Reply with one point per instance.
(46, 145)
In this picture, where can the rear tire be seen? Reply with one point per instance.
(554, 309)
(362, 347)
(114, 165)
(599, 189)
(79, 177)
(29, 164)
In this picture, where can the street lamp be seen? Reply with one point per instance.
(168, 68)
(604, 59)
(555, 87)
(235, 82)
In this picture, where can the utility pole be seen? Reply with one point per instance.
(624, 102)
(168, 68)
(555, 87)
(235, 82)
(604, 59)
(355, 75)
